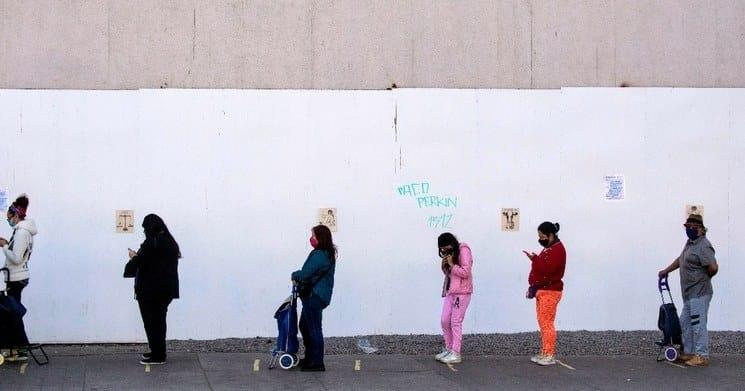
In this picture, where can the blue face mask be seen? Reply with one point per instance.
(10, 222)
(692, 233)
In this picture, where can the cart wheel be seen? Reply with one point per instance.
(286, 361)
(671, 354)
(295, 360)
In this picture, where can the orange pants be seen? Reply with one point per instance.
(546, 303)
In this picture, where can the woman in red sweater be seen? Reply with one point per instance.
(546, 272)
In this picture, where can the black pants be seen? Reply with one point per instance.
(154, 318)
(311, 330)
(20, 339)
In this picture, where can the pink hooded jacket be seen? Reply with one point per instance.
(461, 279)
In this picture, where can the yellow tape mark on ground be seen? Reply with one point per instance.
(675, 365)
(565, 365)
(357, 365)
(147, 368)
(256, 365)
(452, 368)
(23, 368)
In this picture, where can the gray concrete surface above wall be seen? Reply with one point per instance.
(367, 44)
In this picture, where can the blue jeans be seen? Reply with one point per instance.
(311, 330)
(693, 321)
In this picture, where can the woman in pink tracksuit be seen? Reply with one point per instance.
(456, 289)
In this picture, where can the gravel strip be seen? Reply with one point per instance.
(570, 343)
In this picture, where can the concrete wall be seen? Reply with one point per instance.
(316, 44)
(239, 175)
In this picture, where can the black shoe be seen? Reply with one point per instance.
(152, 361)
(313, 368)
(147, 355)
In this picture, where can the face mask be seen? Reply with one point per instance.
(11, 223)
(543, 242)
(692, 233)
(313, 242)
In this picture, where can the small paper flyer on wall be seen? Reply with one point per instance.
(692, 209)
(4, 199)
(327, 217)
(510, 219)
(615, 188)
(125, 220)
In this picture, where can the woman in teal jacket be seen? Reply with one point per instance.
(316, 283)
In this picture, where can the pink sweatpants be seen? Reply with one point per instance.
(453, 311)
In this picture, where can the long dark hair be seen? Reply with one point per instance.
(449, 239)
(325, 241)
(154, 226)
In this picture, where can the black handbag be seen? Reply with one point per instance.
(305, 288)
(11, 306)
(130, 270)
(533, 290)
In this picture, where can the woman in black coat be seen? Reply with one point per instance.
(155, 269)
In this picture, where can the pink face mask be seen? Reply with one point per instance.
(313, 242)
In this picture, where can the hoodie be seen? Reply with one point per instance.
(18, 250)
(547, 268)
(458, 279)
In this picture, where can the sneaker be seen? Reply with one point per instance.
(152, 361)
(546, 360)
(147, 355)
(537, 357)
(18, 357)
(698, 361)
(452, 358)
(442, 354)
(683, 357)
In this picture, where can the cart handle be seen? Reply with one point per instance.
(662, 284)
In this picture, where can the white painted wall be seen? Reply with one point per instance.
(238, 176)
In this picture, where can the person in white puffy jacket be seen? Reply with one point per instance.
(17, 251)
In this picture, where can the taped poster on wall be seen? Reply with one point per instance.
(615, 187)
(4, 199)
(327, 217)
(125, 221)
(510, 219)
(694, 209)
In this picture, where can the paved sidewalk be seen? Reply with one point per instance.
(241, 371)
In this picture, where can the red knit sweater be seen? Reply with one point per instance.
(547, 268)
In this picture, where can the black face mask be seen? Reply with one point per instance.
(543, 242)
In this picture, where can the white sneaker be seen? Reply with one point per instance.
(537, 357)
(452, 358)
(546, 360)
(442, 354)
